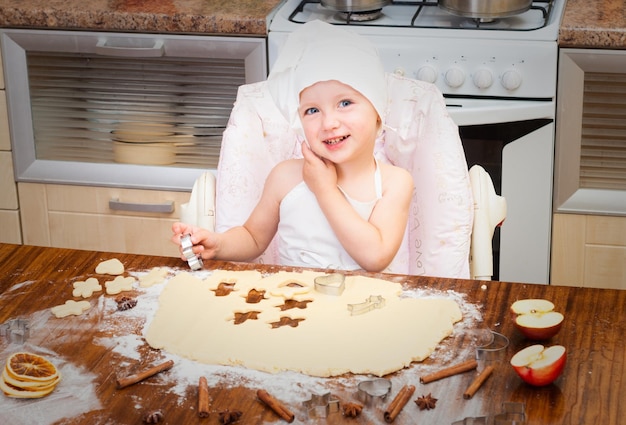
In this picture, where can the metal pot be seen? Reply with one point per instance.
(485, 9)
(355, 5)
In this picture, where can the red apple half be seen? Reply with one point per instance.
(536, 318)
(539, 366)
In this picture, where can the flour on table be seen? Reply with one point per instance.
(268, 323)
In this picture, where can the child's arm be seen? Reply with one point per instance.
(372, 244)
(246, 242)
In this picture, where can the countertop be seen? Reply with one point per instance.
(104, 344)
(598, 24)
(234, 17)
(586, 23)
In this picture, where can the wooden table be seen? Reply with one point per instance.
(590, 391)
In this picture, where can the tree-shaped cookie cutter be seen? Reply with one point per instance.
(320, 406)
(193, 260)
(372, 302)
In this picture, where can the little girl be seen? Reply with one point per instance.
(337, 207)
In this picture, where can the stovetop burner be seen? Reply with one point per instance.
(423, 14)
(370, 15)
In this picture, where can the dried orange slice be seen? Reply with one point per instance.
(16, 392)
(29, 385)
(27, 375)
(30, 367)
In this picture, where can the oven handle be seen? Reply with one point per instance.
(497, 111)
(155, 51)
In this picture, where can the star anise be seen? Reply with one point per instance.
(153, 417)
(230, 416)
(426, 402)
(125, 303)
(351, 410)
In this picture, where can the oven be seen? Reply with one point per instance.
(498, 73)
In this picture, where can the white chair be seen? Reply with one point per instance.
(420, 136)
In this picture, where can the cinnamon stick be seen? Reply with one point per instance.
(478, 382)
(398, 403)
(450, 371)
(137, 377)
(203, 398)
(275, 405)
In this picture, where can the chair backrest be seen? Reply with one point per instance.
(420, 136)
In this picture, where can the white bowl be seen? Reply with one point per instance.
(160, 153)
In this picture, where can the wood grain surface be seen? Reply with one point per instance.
(590, 391)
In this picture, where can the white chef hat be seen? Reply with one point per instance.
(318, 51)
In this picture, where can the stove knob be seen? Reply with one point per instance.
(483, 78)
(511, 80)
(455, 77)
(427, 73)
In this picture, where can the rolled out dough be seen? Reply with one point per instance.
(193, 322)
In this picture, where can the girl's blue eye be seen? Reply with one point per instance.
(345, 103)
(311, 111)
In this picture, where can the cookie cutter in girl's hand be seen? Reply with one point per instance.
(194, 261)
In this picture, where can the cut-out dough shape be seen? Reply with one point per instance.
(290, 288)
(86, 288)
(112, 266)
(70, 307)
(119, 284)
(154, 276)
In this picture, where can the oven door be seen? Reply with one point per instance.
(514, 141)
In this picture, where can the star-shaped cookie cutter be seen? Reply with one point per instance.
(373, 390)
(374, 301)
(15, 330)
(330, 284)
(193, 260)
(320, 406)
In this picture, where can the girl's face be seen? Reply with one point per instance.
(339, 123)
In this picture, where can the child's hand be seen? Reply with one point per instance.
(318, 173)
(204, 242)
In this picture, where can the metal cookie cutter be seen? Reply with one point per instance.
(330, 284)
(374, 301)
(193, 260)
(514, 414)
(320, 406)
(15, 331)
(493, 349)
(373, 391)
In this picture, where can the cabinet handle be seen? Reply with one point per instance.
(165, 207)
(154, 51)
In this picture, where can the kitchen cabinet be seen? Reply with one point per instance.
(589, 225)
(589, 251)
(9, 216)
(86, 217)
